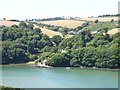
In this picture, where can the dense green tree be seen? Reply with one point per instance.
(85, 24)
(96, 21)
(30, 26)
(112, 20)
(23, 24)
(14, 26)
(56, 39)
(59, 60)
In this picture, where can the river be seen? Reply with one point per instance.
(24, 76)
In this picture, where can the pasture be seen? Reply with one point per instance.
(64, 23)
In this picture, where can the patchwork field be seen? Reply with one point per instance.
(102, 19)
(64, 23)
(8, 23)
(48, 32)
(51, 33)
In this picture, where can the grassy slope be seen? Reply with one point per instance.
(112, 26)
(102, 19)
(48, 32)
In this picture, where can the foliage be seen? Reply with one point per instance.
(56, 28)
(9, 88)
(96, 21)
(19, 43)
(101, 26)
(56, 39)
(24, 43)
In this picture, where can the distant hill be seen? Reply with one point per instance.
(48, 32)
(26, 42)
(64, 23)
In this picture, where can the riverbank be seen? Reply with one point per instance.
(95, 68)
(13, 64)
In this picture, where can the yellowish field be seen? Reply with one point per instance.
(102, 19)
(51, 33)
(114, 31)
(110, 32)
(48, 32)
(65, 23)
(8, 23)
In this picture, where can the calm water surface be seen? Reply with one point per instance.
(32, 77)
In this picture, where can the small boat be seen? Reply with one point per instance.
(67, 67)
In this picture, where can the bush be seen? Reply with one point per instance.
(112, 20)
(96, 21)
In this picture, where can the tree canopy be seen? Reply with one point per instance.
(23, 43)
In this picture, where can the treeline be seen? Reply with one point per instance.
(108, 15)
(24, 43)
(51, 19)
(44, 19)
